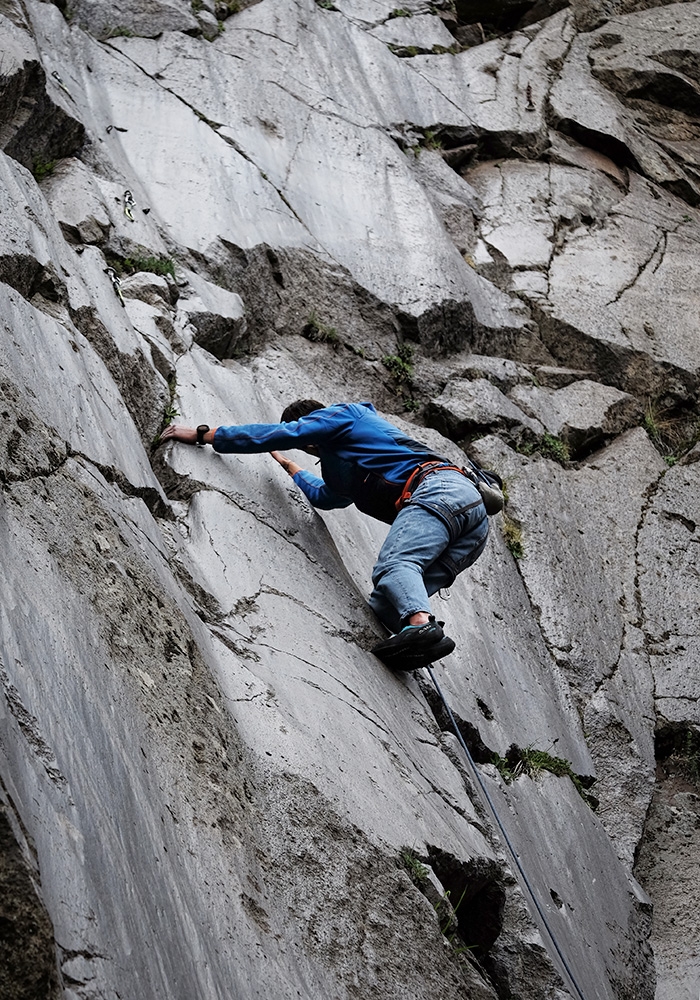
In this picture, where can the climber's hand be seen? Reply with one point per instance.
(287, 464)
(176, 432)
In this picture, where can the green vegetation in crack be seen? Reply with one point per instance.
(131, 265)
(320, 333)
(169, 410)
(400, 12)
(402, 51)
(673, 429)
(118, 32)
(548, 446)
(532, 762)
(326, 4)
(42, 169)
(400, 365)
(416, 870)
(513, 536)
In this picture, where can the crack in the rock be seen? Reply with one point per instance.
(31, 730)
(640, 622)
(663, 239)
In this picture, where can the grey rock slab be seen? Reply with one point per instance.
(76, 201)
(579, 535)
(584, 108)
(216, 314)
(670, 591)
(591, 904)
(581, 413)
(517, 218)
(491, 81)
(209, 25)
(421, 30)
(619, 721)
(153, 289)
(55, 646)
(455, 201)
(500, 371)
(668, 869)
(651, 54)
(567, 151)
(107, 19)
(71, 391)
(526, 204)
(163, 130)
(468, 405)
(325, 159)
(370, 13)
(618, 286)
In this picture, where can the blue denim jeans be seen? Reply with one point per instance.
(441, 531)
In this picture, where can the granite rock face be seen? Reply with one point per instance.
(484, 219)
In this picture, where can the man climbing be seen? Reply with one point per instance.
(438, 520)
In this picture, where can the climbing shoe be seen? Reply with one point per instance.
(415, 646)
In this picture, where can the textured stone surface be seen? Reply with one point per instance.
(670, 590)
(582, 414)
(212, 783)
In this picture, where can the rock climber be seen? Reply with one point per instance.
(438, 520)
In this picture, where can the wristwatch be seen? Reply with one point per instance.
(201, 431)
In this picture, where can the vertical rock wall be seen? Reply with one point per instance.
(485, 221)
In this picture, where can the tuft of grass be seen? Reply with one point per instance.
(673, 430)
(326, 4)
(431, 140)
(532, 762)
(400, 12)
(170, 411)
(320, 333)
(119, 32)
(551, 447)
(445, 50)
(513, 535)
(43, 168)
(156, 265)
(400, 365)
(417, 871)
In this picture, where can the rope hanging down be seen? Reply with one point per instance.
(506, 838)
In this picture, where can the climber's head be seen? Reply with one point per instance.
(300, 408)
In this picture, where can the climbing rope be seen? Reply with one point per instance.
(506, 838)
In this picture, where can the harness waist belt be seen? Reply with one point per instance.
(419, 474)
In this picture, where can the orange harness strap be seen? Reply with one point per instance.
(417, 477)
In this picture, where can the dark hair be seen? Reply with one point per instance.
(300, 408)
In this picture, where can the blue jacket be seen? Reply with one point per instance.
(365, 460)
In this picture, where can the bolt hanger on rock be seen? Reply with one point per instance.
(57, 77)
(129, 205)
(116, 283)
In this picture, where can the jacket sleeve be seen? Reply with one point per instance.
(317, 493)
(248, 439)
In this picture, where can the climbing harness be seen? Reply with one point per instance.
(487, 483)
(506, 838)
